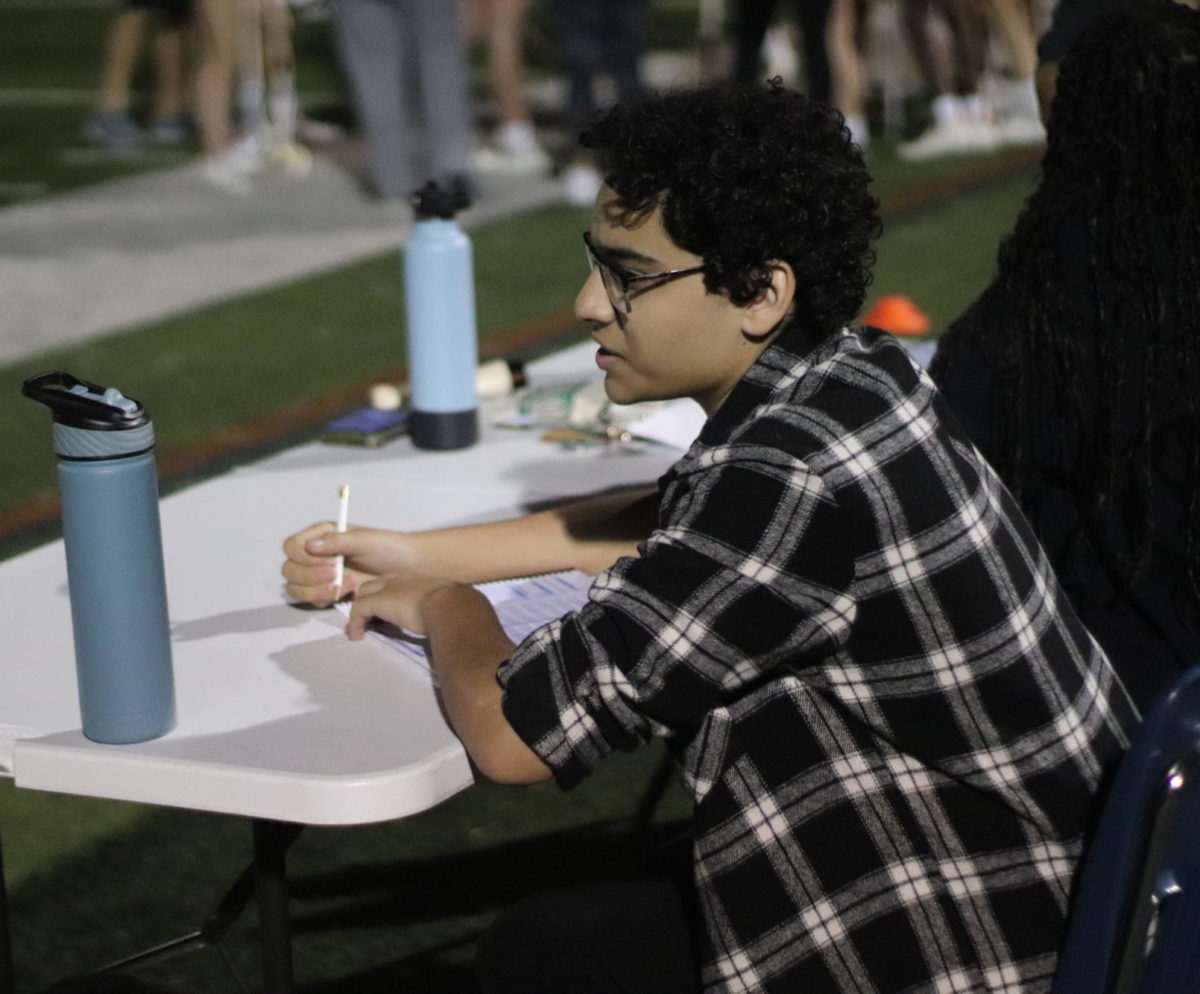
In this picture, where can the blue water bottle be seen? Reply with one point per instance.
(439, 286)
(109, 490)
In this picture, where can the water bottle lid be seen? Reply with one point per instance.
(80, 404)
(434, 200)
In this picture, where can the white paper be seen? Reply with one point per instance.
(676, 423)
(522, 606)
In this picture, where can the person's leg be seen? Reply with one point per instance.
(122, 54)
(280, 70)
(169, 90)
(169, 124)
(110, 124)
(627, 40)
(577, 24)
(501, 29)
(961, 119)
(216, 22)
(813, 17)
(915, 19)
(967, 31)
(751, 19)
(443, 88)
(846, 66)
(1016, 96)
(372, 43)
(500, 26)
(1014, 27)
(621, 938)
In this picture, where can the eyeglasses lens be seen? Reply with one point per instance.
(613, 285)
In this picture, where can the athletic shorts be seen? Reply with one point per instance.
(174, 12)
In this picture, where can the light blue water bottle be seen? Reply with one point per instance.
(109, 490)
(439, 283)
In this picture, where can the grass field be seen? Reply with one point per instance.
(208, 371)
(378, 908)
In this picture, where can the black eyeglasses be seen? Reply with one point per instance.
(621, 286)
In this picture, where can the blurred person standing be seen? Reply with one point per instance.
(111, 124)
(407, 67)
(595, 40)
(1014, 94)
(965, 120)
(752, 18)
(499, 26)
(828, 50)
(962, 119)
(848, 66)
(212, 97)
(269, 111)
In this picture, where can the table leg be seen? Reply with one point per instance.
(7, 983)
(271, 840)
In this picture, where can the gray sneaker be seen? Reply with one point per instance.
(113, 129)
(170, 130)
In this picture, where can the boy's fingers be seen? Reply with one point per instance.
(302, 572)
(296, 546)
(362, 610)
(360, 614)
(333, 543)
(320, 596)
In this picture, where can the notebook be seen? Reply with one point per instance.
(522, 605)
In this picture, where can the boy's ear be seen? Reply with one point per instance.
(766, 312)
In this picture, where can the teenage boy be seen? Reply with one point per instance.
(891, 721)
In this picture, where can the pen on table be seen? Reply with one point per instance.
(343, 518)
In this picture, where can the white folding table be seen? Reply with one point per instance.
(280, 718)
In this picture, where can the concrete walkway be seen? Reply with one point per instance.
(136, 250)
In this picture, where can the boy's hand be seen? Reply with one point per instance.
(397, 598)
(309, 568)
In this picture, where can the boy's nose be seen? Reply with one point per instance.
(592, 305)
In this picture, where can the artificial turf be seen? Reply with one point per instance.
(385, 907)
(394, 906)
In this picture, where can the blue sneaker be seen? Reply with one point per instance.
(170, 130)
(113, 129)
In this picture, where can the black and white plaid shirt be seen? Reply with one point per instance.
(889, 717)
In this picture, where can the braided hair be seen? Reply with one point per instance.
(1092, 325)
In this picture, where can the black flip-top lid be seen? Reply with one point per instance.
(434, 200)
(81, 404)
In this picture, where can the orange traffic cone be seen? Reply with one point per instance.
(899, 315)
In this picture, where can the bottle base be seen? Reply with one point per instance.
(444, 429)
(128, 729)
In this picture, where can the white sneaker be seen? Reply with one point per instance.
(290, 158)
(531, 161)
(318, 132)
(961, 136)
(1020, 129)
(227, 174)
(249, 153)
(580, 184)
(860, 134)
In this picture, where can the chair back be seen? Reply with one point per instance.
(1135, 919)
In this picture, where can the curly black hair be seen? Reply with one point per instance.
(1092, 323)
(746, 175)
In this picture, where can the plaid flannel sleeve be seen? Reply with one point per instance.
(748, 572)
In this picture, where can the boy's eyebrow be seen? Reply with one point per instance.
(620, 253)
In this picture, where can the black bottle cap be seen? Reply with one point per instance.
(80, 404)
(435, 200)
